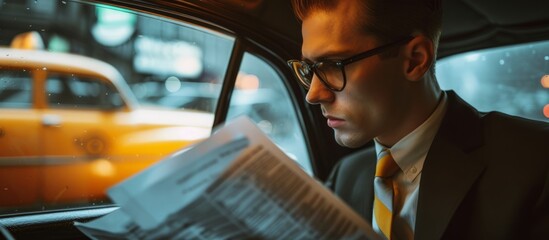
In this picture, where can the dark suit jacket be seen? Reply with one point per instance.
(485, 177)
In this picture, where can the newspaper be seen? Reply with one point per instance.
(237, 184)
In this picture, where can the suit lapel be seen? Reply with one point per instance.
(366, 183)
(449, 170)
(444, 183)
(352, 180)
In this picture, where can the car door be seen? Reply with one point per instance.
(79, 127)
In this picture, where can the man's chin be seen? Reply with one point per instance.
(350, 141)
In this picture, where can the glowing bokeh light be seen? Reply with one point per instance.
(103, 167)
(246, 81)
(545, 81)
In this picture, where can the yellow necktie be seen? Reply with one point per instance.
(384, 192)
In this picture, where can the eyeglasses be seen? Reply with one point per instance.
(332, 72)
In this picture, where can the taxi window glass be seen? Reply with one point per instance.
(260, 94)
(80, 92)
(111, 92)
(513, 79)
(15, 89)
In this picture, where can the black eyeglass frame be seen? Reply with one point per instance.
(342, 63)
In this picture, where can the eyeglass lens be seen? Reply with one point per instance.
(329, 73)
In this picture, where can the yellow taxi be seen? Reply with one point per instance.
(70, 127)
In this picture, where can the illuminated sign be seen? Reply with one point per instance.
(177, 58)
(113, 26)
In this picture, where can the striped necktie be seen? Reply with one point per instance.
(384, 192)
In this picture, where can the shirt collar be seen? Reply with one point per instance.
(410, 151)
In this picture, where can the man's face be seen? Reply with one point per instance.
(373, 101)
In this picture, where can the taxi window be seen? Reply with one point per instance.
(15, 89)
(80, 92)
(114, 92)
(511, 79)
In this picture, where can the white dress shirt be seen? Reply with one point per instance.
(410, 153)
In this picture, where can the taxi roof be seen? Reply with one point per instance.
(31, 59)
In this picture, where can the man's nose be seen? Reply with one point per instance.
(318, 92)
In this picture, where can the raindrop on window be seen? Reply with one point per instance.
(172, 84)
(501, 62)
(546, 58)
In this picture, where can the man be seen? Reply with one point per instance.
(458, 173)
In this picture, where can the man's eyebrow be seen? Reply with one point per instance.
(320, 57)
(303, 58)
(329, 55)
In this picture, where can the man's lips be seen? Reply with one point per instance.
(334, 122)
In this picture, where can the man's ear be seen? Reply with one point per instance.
(419, 56)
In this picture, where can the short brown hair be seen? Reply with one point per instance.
(387, 20)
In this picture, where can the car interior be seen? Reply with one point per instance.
(261, 35)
